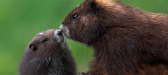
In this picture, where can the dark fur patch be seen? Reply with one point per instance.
(150, 70)
(50, 58)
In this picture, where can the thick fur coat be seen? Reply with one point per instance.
(47, 54)
(123, 37)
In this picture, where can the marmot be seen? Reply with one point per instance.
(47, 54)
(123, 37)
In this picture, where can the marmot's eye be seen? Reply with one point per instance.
(44, 40)
(75, 16)
(33, 47)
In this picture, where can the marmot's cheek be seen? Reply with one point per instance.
(65, 31)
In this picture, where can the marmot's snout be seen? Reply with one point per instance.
(59, 33)
(58, 36)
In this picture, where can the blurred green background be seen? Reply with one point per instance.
(21, 20)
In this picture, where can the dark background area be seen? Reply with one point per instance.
(21, 20)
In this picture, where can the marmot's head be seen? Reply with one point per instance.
(46, 44)
(86, 23)
(47, 54)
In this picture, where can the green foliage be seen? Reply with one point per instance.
(21, 20)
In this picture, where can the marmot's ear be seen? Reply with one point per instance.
(93, 6)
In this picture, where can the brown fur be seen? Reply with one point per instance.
(145, 70)
(150, 70)
(123, 37)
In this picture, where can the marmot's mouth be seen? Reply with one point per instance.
(58, 36)
(65, 30)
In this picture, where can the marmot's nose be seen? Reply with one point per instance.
(62, 27)
(59, 32)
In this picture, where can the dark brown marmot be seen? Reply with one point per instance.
(123, 37)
